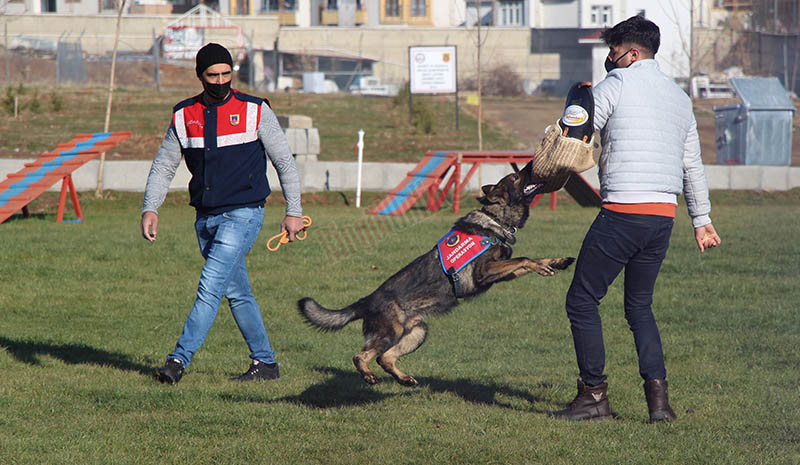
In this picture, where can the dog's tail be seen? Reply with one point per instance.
(327, 319)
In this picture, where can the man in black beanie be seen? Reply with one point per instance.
(225, 137)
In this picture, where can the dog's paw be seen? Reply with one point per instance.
(562, 263)
(408, 381)
(370, 379)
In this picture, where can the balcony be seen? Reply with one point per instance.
(331, 17)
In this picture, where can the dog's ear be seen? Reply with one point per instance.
(489, 194)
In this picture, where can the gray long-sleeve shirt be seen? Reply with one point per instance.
(166, 162)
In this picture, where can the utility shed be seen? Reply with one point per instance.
(757, 131)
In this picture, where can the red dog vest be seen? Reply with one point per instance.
(457, 249)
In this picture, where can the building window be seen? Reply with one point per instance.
(332, 5)
(511, 13)
(479, 9)
(393, 8)
(279, 5)
(417, 7)
(601, 15)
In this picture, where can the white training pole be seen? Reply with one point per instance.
(360, 162)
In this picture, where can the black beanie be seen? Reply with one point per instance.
(210, 55)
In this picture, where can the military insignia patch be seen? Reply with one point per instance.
(452, 240)
(234, 120)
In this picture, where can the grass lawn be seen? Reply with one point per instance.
(389, 136)
(90, 310)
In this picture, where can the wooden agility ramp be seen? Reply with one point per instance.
(428, 177)
(21, 188)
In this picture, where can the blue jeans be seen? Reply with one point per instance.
(224, 241)
(637, 243)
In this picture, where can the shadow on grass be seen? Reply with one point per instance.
(342, 389)
(480, 393)
(347, 389)
(31, 217)
(29, 351)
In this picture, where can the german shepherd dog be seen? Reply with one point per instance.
(393, 314)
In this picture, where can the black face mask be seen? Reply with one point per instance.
(613, 64)
(217, 91)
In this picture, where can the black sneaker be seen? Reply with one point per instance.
(259, 370)
(171, 372)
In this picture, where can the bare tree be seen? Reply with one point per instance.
(99, 190)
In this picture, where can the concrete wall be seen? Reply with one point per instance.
(389, 46)
(383, 177)
(448, 13)
(96, 32)
(557, 14)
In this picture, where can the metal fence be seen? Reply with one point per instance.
(775, 54)
(36, 61)
(69, 63)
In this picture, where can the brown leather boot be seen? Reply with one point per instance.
(591, 403)
(655, 391)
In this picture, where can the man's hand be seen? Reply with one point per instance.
(706, 237)
(149, 226)
(292, 225)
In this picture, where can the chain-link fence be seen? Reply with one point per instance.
(750, 53)
(45, 62)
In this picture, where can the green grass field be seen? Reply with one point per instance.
(90, 310)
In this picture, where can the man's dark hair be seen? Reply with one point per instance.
(635, 30)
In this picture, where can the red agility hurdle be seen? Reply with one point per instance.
(22, 187)
(431, 171)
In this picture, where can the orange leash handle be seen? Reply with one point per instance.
(282, 238)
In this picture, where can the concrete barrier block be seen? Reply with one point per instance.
(11, 165)
(295, 121)
(300, 122)
(383, 177)
(794, 177)
(774, 178)
(718, 176)
(746, 177)
(312, 136)
(297, 139)
(305, 157)
(274, 181)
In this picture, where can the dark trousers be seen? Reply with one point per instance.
(637, 243)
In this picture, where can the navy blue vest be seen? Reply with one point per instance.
(221, 148)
